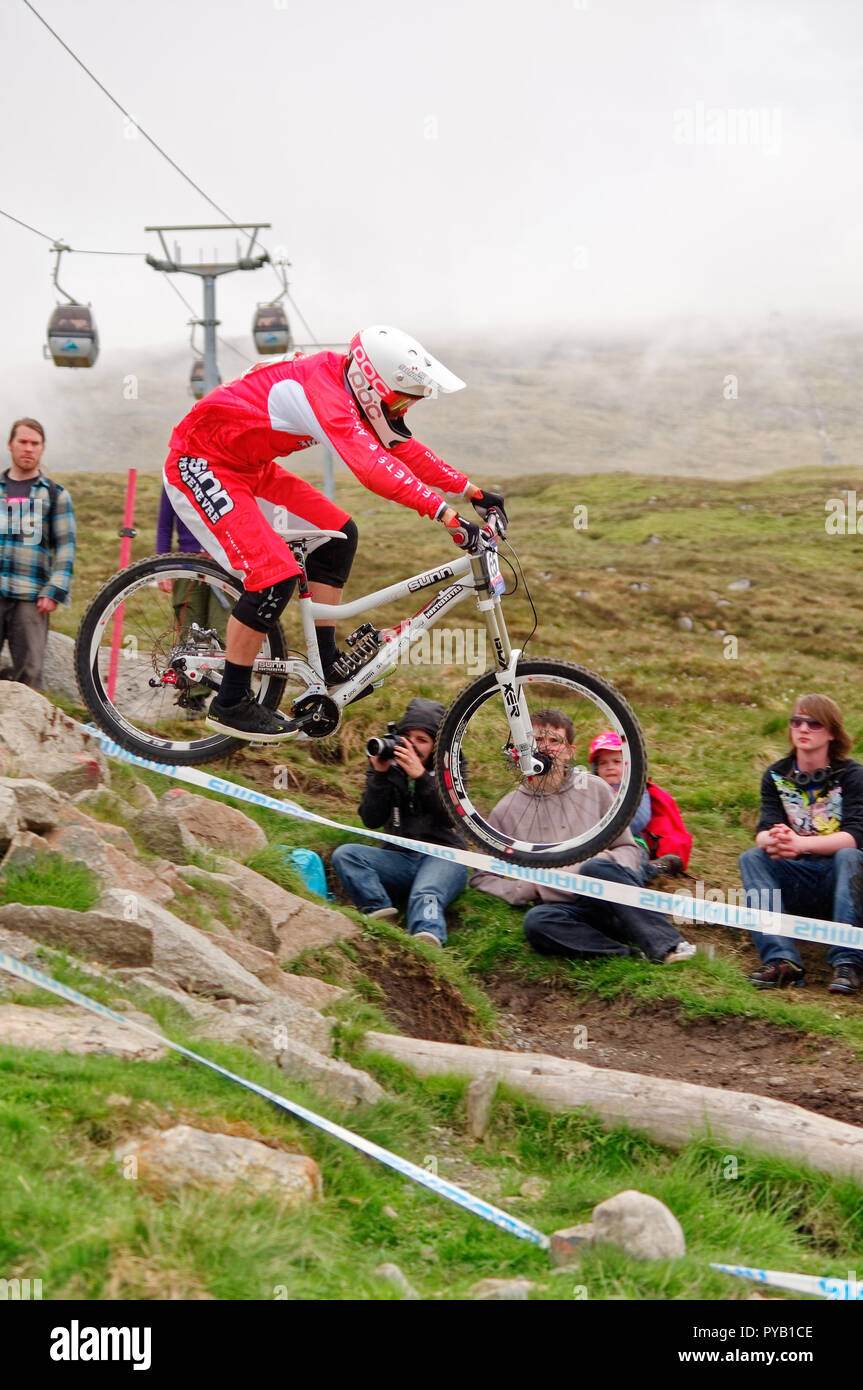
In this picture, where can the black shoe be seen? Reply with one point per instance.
(343, 667)
(670, 864)
(846, 980)
(778, 974)
(249, 720)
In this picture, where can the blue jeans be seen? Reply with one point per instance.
(814, 885)
(372, 877)
(584, 927)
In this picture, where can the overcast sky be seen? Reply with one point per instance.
(463, 170)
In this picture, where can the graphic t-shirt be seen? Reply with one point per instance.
(810, 810)
(837, 804)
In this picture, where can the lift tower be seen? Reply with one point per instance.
(208, 272)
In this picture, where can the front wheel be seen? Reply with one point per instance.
(564, 815)
(142, 631)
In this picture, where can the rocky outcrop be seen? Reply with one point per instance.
(191, 958)
(183, 1157)
(215, 825)
(74, 1030)
(34, 734)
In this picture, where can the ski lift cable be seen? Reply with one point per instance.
(122, 109)
(156, 146)
(73, 249)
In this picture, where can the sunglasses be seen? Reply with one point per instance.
(797, 721)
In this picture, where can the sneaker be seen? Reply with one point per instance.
(249, 720)
(846, 980)
(670, 864)
(385, 914)
(685, 951)
(345, 665)
(778, 974)
(428, 937)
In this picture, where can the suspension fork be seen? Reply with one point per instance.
(506, 660)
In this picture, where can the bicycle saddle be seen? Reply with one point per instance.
(290, 537)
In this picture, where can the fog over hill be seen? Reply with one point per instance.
(702, 401)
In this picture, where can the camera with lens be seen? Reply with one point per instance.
(384, 748)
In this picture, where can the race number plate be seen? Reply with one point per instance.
(496, 581)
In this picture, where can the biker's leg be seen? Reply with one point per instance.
(216, 502)
(329, 563)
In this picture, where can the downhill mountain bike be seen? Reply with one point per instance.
(167, 661)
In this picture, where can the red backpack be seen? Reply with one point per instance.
(665, 832)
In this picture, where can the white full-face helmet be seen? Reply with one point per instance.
(387, 371)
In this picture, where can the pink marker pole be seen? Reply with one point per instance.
(127, 533)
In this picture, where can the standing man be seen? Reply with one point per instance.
(37, 552)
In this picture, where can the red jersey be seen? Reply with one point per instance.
(278, 409)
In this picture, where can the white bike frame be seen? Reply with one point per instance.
(472, 573)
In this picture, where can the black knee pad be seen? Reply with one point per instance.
(331, 562)
(261, 610)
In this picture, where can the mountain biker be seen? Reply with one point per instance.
(221, 474)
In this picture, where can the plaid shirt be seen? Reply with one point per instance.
(28, 568)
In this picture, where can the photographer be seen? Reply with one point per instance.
(400, 796)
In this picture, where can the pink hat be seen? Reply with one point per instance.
(608, 740)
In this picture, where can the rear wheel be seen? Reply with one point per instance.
(477, 765)
(156, 711)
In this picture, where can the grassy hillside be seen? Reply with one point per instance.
(714, 714)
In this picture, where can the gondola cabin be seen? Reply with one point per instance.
(196, 378)
(73, 340)
(270, 329)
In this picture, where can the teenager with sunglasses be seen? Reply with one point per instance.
(808, 843)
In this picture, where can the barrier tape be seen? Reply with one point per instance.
(442, 1186)
(698, 910)
(837, 1289)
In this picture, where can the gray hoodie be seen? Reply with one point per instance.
(551, 816)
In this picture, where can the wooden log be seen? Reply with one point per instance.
(671, 1112)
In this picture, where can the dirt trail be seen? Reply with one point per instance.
(733, 1053)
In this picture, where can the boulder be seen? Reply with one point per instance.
(75, 1030)
(188, 956)
(141, 796)
(185, 1157)
(36, 735)
(639, 1224)
(302, 989)
(163, 833)
(346, 1085)
(39, 804)
(112, 867)
(501, 1290)
(274, 919)
(114, 834)
(215, 825)
(10, 820)
(23, 849)
(58, 672)
(305, 989)
(161, 987)
(391, 1274)
(84, 774)
(270, 1027)
(103, 936)
(567, 1243)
